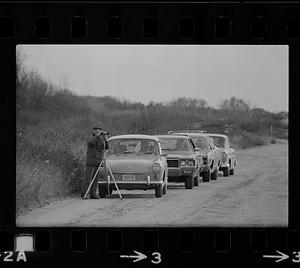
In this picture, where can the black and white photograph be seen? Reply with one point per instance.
(152, 135)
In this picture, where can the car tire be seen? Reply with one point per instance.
(206, 176)
(159, 190)
(102, 191)
(189, 182)
(165, 188)
(231, 172)
(197, 180)
(214, 175)
(226, 172)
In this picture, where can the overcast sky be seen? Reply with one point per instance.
(258, 74)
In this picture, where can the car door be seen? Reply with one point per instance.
(212, 152)
(231, 152)
(163, 158)
(198, 157)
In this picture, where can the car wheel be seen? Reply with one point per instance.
(102, 191)
(197, 180)
(189, 182)
(159, 190)
(226, 172)
(206, 176)
(214, 175)
(231, 172)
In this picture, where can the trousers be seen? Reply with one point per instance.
(89, 175)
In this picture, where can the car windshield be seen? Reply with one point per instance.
(219, 141)
(173, 144)
(133, 146)
(201, 143)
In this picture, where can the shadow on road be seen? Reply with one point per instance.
(128, 196)
(174, 186)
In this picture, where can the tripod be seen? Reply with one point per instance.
(105, 164)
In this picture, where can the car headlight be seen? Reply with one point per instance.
(156, 167)
(191, 163)
(205, 159)
(224, 157)
(187, 162)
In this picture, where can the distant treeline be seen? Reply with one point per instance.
(53, 125)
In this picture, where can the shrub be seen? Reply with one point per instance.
(251, 126)
(273, 140)
(251, 140)
(36, 181)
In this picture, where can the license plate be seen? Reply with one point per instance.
(128, 178)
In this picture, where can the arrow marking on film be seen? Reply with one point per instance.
(140, 256)
(280, 257)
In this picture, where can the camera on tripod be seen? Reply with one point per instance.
(104, 133)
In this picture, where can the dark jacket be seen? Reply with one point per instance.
(95, 150)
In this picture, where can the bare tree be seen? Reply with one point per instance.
(234, 104)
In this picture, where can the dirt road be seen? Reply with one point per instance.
(257, 195)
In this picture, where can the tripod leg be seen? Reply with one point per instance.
(92, 181)
(108, 181)
(114, 181)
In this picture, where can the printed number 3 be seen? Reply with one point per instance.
(297, 256)
(157, 258)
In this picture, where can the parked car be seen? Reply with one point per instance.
(218, 150)
(211, 155)
(229, 160)
(137, 162)
(183, 159)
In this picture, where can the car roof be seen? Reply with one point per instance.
(217, 135)
(191, 134)
(173, 136)
(134, 136)
(186, 131)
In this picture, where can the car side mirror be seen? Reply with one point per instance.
(164, 154)
(197, 149)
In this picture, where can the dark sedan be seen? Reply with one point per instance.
(183, 159)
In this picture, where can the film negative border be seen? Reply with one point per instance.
(172, 246)
(123, 23)
(176, 23)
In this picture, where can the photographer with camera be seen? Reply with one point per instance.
(96, 146)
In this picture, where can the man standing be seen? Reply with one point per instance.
(96, 146)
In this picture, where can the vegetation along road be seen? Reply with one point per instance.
(257, 195)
